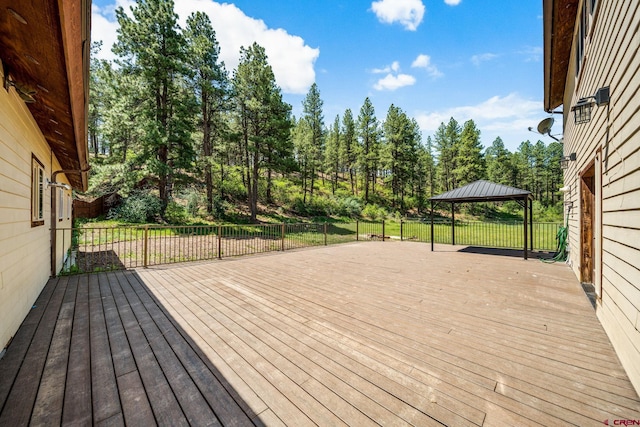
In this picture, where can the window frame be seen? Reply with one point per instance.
(69, 205)
(61, 205)
(37, 191)
(586, 21)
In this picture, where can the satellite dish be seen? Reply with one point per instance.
(545, 126)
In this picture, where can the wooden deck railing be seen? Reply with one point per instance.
(93, 249)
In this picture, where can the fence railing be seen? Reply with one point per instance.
(113, 248)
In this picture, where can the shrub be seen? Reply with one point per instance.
(374, 212)
(350, 206)
(139, 207)
(194, 201)
(175, 213)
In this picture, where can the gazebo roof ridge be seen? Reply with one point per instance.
(482, 190)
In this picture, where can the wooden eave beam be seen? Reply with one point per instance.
(559, 22)
(75, 22)
(44, 45)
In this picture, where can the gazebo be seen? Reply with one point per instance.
(487, 191)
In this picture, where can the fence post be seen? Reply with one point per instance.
(145, 246)
(401, 230)
(325, 234)
(383, 230)
(219, 241)
(282, 233)
(357, 230)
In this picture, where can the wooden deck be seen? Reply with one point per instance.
(358, 334)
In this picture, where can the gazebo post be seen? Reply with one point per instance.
(432, 237)
(453, 224)
(526, 234)
(530, 223)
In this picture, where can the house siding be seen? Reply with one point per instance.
(611, 141)
(24, 250)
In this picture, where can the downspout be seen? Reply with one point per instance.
(54, 222)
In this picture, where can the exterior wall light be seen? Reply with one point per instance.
(582, 109)
(564, 161)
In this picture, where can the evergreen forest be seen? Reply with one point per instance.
(183, 139)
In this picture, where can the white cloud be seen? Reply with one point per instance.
(395, 67)
(532, 53)
(408, 13)
(291, 59)
(393, 82)
(424, 61)
(452, 2)
(508, 117)
(482, 57)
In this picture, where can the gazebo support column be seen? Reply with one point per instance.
(432, 236)
(531, 224)
(525, 223)
(453, 224)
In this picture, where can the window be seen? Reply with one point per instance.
(60, 204)
(69, 206)
(585, 27)
(580, 42)
(37, 192)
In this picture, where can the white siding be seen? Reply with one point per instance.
(24, 250)
(611, 59)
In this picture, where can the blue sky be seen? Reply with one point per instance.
(470, 59)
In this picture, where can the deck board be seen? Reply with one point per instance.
(360, 334)
(17, 408)
(104, 385)
(77, 407)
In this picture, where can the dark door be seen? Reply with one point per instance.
(587, 211)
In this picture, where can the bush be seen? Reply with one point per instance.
(551, 213)
(175, 213)
(317, 206)
(219, 206)
(139, 207)
(194, 201)
(350, 206)
(374, 212)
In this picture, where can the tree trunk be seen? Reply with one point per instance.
(254, 190)
(163, 178)
(351, 178)
(269, 185)
(207, 150)
(313, 179)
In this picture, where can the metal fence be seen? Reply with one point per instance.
(112, 248)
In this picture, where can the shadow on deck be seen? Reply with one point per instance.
(100, 349)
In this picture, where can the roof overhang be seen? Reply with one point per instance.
(559, 22)
(44, 47)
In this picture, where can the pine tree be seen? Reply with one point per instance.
(262, 119)
(497, 161)
(368, 134)
(446, 142)
(211, 87)
(301, 136)
(312, 113)
(400, 151)
(151, 47)
(332, 153)
(349, 149)
(469, 161)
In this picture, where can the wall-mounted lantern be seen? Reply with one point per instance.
(564, 161)
(582, 109)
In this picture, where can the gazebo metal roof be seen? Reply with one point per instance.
(482, 191)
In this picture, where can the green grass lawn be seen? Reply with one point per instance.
(488, 234)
